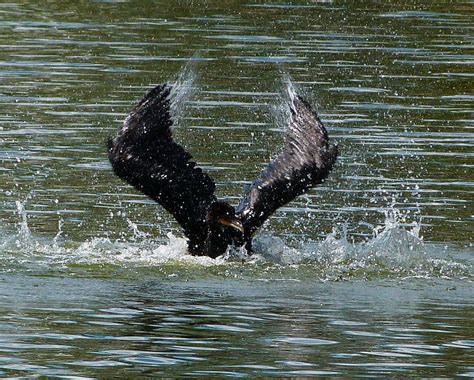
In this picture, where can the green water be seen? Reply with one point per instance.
(368, 275)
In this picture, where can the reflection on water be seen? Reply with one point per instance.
(367, 275)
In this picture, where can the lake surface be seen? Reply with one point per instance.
(369, 275)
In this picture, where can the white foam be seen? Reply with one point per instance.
(394, 250)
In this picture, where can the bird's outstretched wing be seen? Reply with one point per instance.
(306, 160)
(145, 155)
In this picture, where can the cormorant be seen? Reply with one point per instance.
(145, 155)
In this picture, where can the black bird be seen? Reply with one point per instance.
(145, 155)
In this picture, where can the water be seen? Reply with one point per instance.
(369, 275)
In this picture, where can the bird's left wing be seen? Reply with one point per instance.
(306, 160)
(145, 155)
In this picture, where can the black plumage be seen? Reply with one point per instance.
(145, 155)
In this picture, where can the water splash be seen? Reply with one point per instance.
(281, 109)
(394, 251)
(59, 233)
(137, 234)
(183, 89)
(24, 234)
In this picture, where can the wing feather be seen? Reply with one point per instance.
(145, 155)
(306, 160)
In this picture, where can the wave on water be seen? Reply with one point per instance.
(394, 251)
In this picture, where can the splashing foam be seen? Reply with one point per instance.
(24, 233)
(183, 89)
(281, 109)
(393, 251)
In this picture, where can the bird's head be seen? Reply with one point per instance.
(221, 214)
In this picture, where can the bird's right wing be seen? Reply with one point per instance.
(306, 160)
(145, 155)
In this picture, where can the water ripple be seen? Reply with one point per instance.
(369, 275)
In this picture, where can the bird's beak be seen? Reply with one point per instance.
(232, 223)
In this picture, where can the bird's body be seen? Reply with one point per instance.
(145, 155)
